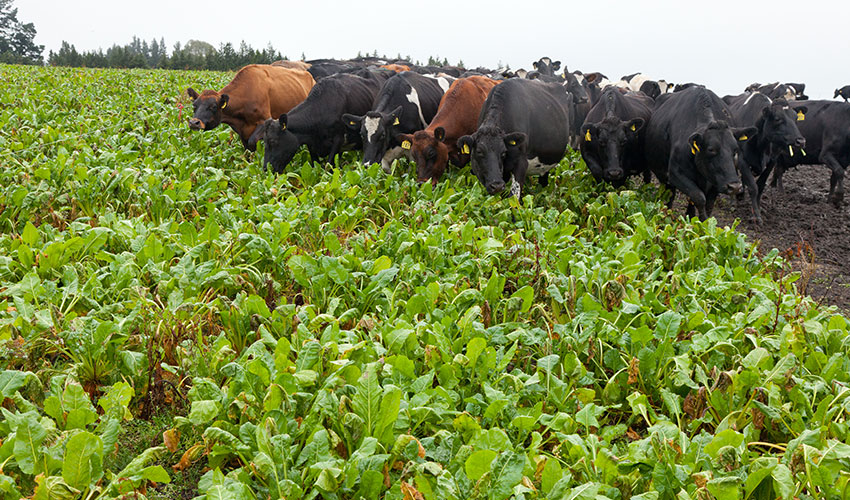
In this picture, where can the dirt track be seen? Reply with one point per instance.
(800, 221)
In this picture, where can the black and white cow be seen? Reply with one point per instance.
(523, 129)
(638, 82)
(406, 103)
(613, 133)
(776, 130)
(690, 146)
(826, 127)
(317, 122)
(776, 90)
(843, 92)
(546, 67)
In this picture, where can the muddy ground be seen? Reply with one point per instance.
(802, 225)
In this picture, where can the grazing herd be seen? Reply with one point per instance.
(509, 125)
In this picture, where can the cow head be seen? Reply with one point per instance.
(604, 142)
(778, 124)
(493, 155)
(376, 130)
(431, 153)
(837, 93)
(575, 86)
(714, 149)
(545, 66)
(280, 144)
(208, 108)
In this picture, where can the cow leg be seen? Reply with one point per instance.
(336, 149)
(750, 182)
(544, 179)
(776, 182)
(710, 198)
(836, 180)
(518, 176)
(691, 190)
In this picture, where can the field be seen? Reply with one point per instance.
(177, 323)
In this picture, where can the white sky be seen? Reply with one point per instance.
(723, 44)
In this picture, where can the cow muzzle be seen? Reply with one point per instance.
(732, 188)
(196, 124)
(800, 142)
(495, 187)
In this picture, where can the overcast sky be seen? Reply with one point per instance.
(724, 44)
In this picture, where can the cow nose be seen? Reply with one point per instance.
(733, 187)
(615, 174)
(495, 187)
(800, 142)
(196, 124)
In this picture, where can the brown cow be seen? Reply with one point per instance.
(292, 64)
(457, 116)
(257, 93)
(398, 68)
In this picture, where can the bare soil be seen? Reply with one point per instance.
(812, 233)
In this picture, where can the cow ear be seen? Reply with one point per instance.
(515, 140)
(352, 122)
(194, 95)
(744, 134)
(439, 133)
(534, 64)
(465, 144)
(633, 126)
(223, 100)
(395, 115)
(557, 65)
(694, 141)
(282, 121)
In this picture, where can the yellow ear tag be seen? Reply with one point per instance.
(224, 105)
(512, 143)
(405, 145)
(283, 126)
(742, 138)
(587, 136)
(633, 128)
(395, 122)
(465, 149)
(694, 149)
(800, 116)
(352, 122)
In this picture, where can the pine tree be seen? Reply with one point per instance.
(16, 38)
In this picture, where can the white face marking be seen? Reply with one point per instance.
(515, 189)
(580, 79)
(605, 83)
(371, 125)
(752, 94)
(390, 156)
(547, 60)
(413, 97)
(535, 167)
(521, 73)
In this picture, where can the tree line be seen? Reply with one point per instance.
(139, 53)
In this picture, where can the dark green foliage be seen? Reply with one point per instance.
(17, 44)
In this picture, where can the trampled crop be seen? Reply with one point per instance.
(340, 333)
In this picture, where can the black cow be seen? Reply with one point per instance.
(406, 103)
(776, 90)
(317, 122)
(824, 124)
(612, 136)
(577, 86)
(324, 69)
(843, 92)
(523, 128)
(546, 67)
(776, 126)
(690, 146)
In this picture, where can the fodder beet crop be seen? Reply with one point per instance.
(339, 333)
